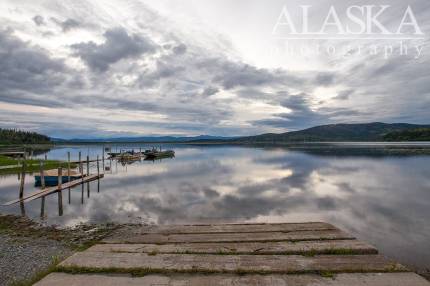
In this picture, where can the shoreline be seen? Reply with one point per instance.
(27, 242)
(29, 250)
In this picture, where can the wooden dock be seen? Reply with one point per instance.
(293, 254)
(50, 190)
(13, 152)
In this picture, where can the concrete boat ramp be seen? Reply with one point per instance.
(293, 254)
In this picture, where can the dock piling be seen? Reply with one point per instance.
(60, 177)
(42, 174)
(88, 165)
(21, 187)
(88, 173)
(42, 208)
(68, 172)
(81, 170)
(22, 207)
(98, 174)
(68, 165)
(82, 194)
(103, 157)
(80, 164)
(98, 165)
(60, 196)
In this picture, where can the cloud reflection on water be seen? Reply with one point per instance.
(384, 200)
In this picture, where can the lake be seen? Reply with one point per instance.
(380, 197)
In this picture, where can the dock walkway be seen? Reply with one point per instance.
(50, 190)
(293, 254)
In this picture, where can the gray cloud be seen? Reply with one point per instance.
(208, 91)
(344, 95)
(118, 45)
(325, 78)
(234, 74)
(27, 73)
(39, 20)
(180, 49)
(67, 24)
(303, 116)
(151, 66)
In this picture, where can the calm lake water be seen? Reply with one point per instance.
(382, 199)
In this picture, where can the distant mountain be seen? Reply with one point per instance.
(334, 132)
(325, 133)
(146, 139)
(420, 134)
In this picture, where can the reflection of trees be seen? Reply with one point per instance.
(40, 151)
(350, 150)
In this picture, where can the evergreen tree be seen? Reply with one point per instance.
(15, 136)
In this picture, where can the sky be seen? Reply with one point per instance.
(111, 68)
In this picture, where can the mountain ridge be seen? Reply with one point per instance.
(341, 132)
(147, 139)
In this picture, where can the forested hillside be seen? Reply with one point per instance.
(419, 134)
(14, 136)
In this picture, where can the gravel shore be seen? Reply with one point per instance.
(27, 248)
(22, 257)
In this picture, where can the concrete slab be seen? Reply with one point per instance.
(228, 237)
(284, 247)
(233, 228)
(230, 263)
(353, 279)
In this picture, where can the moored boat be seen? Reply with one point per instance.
(155, 154)
(51, 177)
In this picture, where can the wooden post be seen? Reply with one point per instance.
(42, 175)
(82, 192)
(98, 166)
(60, 177)
(60, 196)
(98, 174)
(88, 165)
(80, 164)
(88, 173)
(42, 208)
(21, 187)
(68, 166)
(68, 174)
(22, 207)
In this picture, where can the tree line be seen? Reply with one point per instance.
(15, 136)
(418, 134)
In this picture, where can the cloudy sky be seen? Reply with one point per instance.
(188, 67)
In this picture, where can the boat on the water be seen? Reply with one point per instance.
(124, 155)
(129, 157)
(158, 154)
(113, 154)
(51, 177)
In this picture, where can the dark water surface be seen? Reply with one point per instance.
(382, 199)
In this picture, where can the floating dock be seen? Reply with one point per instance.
(50, 190)
(293, 254)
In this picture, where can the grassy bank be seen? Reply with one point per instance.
(31, 165)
